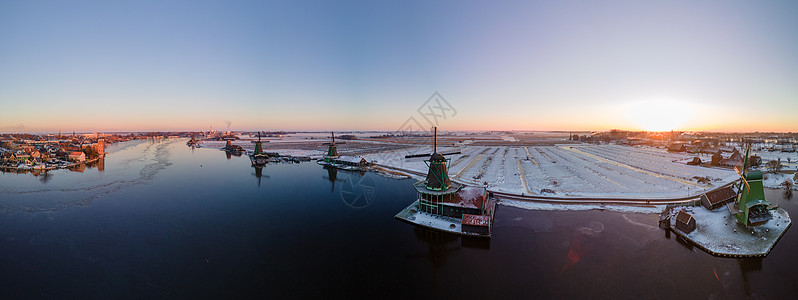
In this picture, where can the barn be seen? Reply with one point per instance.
(685, 222)
(717, 198)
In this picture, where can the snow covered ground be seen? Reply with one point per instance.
(788, 159)
(561, 170)
(653, 209)
(774, 181)
(719, 232)
(572, 170)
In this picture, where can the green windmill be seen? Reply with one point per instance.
(438, 175)
(259, 158)
(751, 208)
(332, 151)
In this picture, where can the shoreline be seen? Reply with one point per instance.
(16, 169)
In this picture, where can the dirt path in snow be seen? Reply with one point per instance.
(523, 176)
(470, 164)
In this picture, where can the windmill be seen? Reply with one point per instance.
(751, 208)
(192, 142)
(332, 150)
(259, 158)
(438, 175)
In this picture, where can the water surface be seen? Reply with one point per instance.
(162, 220)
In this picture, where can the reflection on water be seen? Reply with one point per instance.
(99, 164)
(45, 177)
(439, 247)
(259, 173)
(132, 164)
(332, 176)
(166, 221)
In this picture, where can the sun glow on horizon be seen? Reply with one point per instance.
(659, 114)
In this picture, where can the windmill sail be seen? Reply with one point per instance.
(751, 206)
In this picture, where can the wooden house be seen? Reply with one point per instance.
(677, 147)
(685, 222)
(695, 162)
(717, 198)
(77, 156)
(716, 158)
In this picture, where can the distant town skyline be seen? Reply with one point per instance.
(98, 66)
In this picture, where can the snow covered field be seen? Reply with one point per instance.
(774, 181)
(559, 170)
(788, 159)
(572, 170)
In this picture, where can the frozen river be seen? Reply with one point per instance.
(164, 221)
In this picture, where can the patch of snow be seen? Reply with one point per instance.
(719, 231)
(653, 209)
(774, 180)
(438, 222)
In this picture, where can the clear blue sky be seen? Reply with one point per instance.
(537, 65)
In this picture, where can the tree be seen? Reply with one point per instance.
(774, 166)
(787, 184)
(90, 152)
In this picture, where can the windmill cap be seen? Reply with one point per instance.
(437, 157)
(753, 175)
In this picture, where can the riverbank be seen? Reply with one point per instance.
(25, 168)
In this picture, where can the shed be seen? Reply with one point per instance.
(717, 198)
(476, 224)
(685, 222)
(677, 147)
(716, 158)
(357, 161)
(695, 162)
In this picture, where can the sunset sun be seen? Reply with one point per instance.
(659, 115)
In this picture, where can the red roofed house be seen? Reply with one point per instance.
(77, 156)
(476, 224)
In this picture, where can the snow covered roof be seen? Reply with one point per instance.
(676, 147)
(475, 220)
(683, 217)
(350, 159)
(720, 195)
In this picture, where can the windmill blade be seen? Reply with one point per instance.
(742, 177)
(745, 161)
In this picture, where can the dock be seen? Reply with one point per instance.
(440, 223)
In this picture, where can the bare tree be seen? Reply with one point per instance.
(787, 184)
(774, 166)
